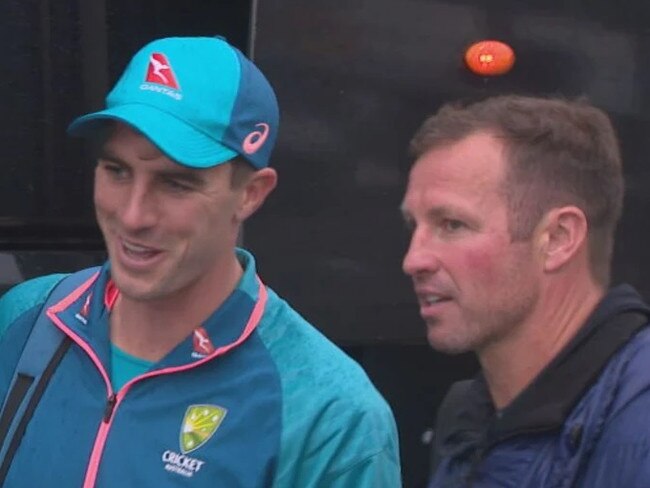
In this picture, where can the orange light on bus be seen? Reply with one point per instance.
(489, 58)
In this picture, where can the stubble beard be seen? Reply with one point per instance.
(478, 330)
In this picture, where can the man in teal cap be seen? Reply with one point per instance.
(173, 364)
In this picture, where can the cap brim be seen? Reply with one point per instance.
(178, 140)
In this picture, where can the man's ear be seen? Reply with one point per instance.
(254, 191)
(563, 235)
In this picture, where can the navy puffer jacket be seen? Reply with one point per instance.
(583, 422)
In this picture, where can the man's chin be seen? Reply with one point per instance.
(443, 343)
(133, 288)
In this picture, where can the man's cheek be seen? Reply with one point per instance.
(481, 265)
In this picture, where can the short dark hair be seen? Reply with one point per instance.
(560, 152)
(241, 170)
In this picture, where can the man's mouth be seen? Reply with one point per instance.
(431, 299)
(137, 251)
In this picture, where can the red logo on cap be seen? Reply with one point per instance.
(255, 139)
(160, 71)
(202, 343)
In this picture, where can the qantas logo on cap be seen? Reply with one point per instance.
(256, 139)
(160, 77)
(160, 71)
(202, 345)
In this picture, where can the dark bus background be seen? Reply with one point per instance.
(354, 79)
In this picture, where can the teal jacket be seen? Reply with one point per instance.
(256, 397)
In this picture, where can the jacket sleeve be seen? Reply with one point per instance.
(337, 431)
(378, 470)
(362, 454)
(344, 447)
(19, 308)
(24, 297)
(621, 457)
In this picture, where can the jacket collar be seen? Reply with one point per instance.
(467, 415)
(88, 317)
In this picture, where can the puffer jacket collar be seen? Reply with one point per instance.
(467, 420)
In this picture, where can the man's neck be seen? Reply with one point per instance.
(150, 329)
(513, 362)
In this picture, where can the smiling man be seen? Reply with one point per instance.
(173, 364)
(513, 204)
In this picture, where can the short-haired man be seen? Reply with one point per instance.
(181, 367)
(513, 203)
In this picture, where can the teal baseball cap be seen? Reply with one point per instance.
(198, 99)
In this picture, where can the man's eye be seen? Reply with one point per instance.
(114, 169)
(177, 185)
(451, 225)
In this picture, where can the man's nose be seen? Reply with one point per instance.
(421, 255)
(139, 210)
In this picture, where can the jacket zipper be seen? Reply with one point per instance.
(110, 407)
(114, 399)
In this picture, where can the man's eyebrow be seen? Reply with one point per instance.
(187, 176)
(108, 155)
(180, 174)
(437, 212)
(433, 212)
(446, 211)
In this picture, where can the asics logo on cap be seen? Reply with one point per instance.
(160, 71)
(255, 140)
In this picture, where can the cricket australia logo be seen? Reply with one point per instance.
(199, 425)
(200, 422)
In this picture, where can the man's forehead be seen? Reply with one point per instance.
(442, 185)
(476, 160)
(123, 139)
(434, 204)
